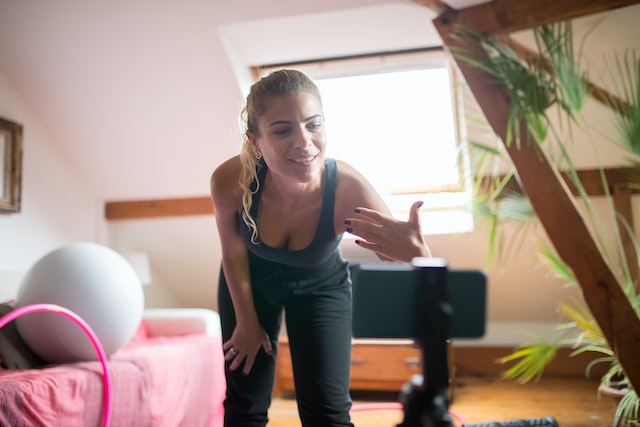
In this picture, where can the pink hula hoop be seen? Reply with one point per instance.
(52, 308)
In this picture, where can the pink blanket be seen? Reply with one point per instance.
(157, 381)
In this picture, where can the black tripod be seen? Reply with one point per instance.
(424, 399)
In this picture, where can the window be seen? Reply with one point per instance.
(393, 118)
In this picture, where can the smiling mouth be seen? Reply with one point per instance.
(305, 161)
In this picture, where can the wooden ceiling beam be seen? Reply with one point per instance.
(193, 206)
(139, 209)
(591, 180)
(507, 16)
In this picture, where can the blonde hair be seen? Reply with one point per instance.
(277, 83)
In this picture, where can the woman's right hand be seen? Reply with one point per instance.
(244, 344)
(388, 237)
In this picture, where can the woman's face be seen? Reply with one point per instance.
(291, 136)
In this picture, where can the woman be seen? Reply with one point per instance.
(281, 209)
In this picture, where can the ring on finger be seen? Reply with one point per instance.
(233, 351)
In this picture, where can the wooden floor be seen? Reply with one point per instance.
(573, 402)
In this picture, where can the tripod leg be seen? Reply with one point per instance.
(425, 401)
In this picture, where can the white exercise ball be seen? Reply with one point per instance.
(91, 280)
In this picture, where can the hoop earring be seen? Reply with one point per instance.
(258, 155)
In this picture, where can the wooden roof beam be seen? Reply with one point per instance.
(139, 209)
(507, 16)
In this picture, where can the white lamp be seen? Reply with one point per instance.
(140, 263)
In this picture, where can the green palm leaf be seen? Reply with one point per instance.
(531, 359)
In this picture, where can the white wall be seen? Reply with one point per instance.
(57, 206)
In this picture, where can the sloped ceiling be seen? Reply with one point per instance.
(143, 97)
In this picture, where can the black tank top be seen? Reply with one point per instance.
(324, 243)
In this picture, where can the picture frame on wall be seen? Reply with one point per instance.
(11, 162)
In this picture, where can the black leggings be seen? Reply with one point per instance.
(317, 306)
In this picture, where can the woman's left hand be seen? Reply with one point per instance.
(389, 237)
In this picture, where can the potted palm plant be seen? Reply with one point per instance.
(555, 79)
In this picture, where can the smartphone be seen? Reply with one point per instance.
(388, 299)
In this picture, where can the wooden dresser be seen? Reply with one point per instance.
(376, 365)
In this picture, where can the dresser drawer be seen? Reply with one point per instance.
(376, 365)
(393, 362)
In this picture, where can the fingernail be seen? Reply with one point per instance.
(349, 230)
(347, 222)
(357, 242)
(357, 211)
(421, 203)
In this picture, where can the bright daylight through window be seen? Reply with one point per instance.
(393, 118)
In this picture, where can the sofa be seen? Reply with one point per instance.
(170, 374)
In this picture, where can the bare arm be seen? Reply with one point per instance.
(248, 335)
(365, 215)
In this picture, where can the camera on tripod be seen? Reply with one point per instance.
(418, 301)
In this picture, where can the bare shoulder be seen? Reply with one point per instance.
(224, 181)
(354, 190)
(349, 176)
